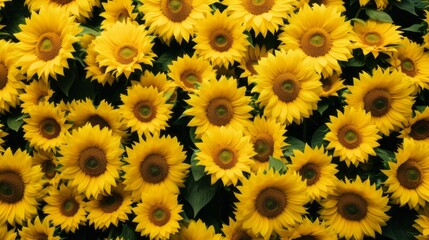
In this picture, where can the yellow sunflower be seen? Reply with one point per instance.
(355, 209)
(268, 139)
(417, 127)
(45, 128)
(197, 229)
(160, 82)
(109, 209)
(65, 208)
(322, 34)
(117, 10)
(317, 230)
(158, 215)
(174, 19)
(153, 164)
(91, 160)
(94, 71)
(20, 186)
(46, 45)
(38, 230)
(376, 37)
(6, 234)
(269, 202)
(288, 89)
(385, 96)
(145, 110)
(220, 39)
(122, 53)
(81, 9)
(234, 231)
(260, 16)
(339, 4)
(49, 163)
(2, 3)
(190, 72)
(426, 36)
(408, 177)
(36, 92)
(225, 154)
(2, 135)
(421, 223)
(331, 85)
(253, 55)
(314, 166)
(381, 4)
(352, 135)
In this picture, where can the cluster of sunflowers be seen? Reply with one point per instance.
(205, 119)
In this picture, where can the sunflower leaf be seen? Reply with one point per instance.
(378, 15)
(128, 233)
(199, 193)
(407, 6)
(386, 155)
(15, 122)
(277, 165)
(197, 170)
(414, 28)
(294, 143)
(318, 135)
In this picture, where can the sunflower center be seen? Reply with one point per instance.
(49, 128)
(48, 46)
(264, 148)
(407, 67)
(306, 237)
(352, 206)
(11, 187)
(190, 78)
(42, 236)
(176, 10)
(96, 120)
(48, 167)
(286, 87)
(225, 158)
(270, 202)
(221, 40)
(220, 111)
(69, 207)
(258, 7)
(420, 130)
(241, 235)
(42, 97)
(377, 102)
(310, 172)
(326, 84)
(372, 38)
(123, 15)
(409, 175)
(92, 161)
(316, 42)
(63, 2)
(111, 203)
(126, 54)
(159, 216)
(154, 168)
(250, 66)
(3, 75)
(349, 137)
(145, 111)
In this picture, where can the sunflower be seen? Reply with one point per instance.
(234, 231)
(46, 45)
(153, 164)
(339, 4)
(94, 71)
(91, 160)
(260, 16)
(158, 215)
(122, 53)
(422, 225)
(2, 3)
(65, 208)
(38, 230)
(408, 177)
(220, 39)
(6, 234)
(174, 19)
(376, 37)
(426, 36)
(197, 229)
(269, 201)
(253, 55)
(417, 127)
(309, 230)
(385, 96)
(381, 4)
(117, 10)
(288, 89)
(331, 85)
(314, 166)
(218, 103)
(352, 135)
(20, 186)
(225, 154)
(160, 82)
(36, 92)
(49, 163)
(268, 139)
(322, 34)
(2, 135)
(145, 110)
(355, 209)
(190, 72)
(81, 9)
(109, 209)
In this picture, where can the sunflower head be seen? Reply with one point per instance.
(38, 229)
(117, 11)
(417, 127)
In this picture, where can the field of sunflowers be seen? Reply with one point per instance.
(211, 120)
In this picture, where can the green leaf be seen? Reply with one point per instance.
(277, 164)
(294, 143)
(128, 233)
(199, 193)
(65, 83)
(414, 28)
(15, 122)
(89, 30)
(323, 106)
(386, 155)
(378, 15)
(407, 6)
(166, 58)
(197, 170)
(318, 135)
(398, 227)
(355, 62)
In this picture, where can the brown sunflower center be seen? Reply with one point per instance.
(409, 175)
(49, 128)
(11, 187)
(48, 46)
(352, 206)
(270, 202)
(154, 168)
(408, 67)
(310, 172)
(42, 97)
(241, 235)
(221, 40)
(3, 75)
(257, 7)
(42, 236)
(316, 42)
(63, 2)
(159, 215)
(264, 148)
(69, 207)
(377, 102)
(286, 87)
(326, 84)
(225, 158)
(307, 237)
(190, 78)
(122, 15)
(372, 38)
(220, 111)
(349, 137)
(420, 130)
(92, 161)
(97, 120)
(111, 203)
(48, 167)
(125, 54)
(145, 111)
(176, 10)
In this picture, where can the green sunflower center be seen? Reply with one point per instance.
(93, 161)
(111, 203)
(144, 111)
(225, 158)
(373, 38)
(159, 216)
(286, 87)
(316, 42)
(11, 187)
(69, 207)
(49, 168)
(270, 202)
(420, 130)
(409, 175)
(352, 206)
(258, 7)
(126, 54)
(310, 172)
(221, 40)
(154, 168)
(408, 67)
(377, 102)
(3, 75)
(241, 235)
(49, 128)
(349, 137)
(96, 120)
(264, 148)
(190, 78)
(48, 46)
(176, 10)
(220, 111)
